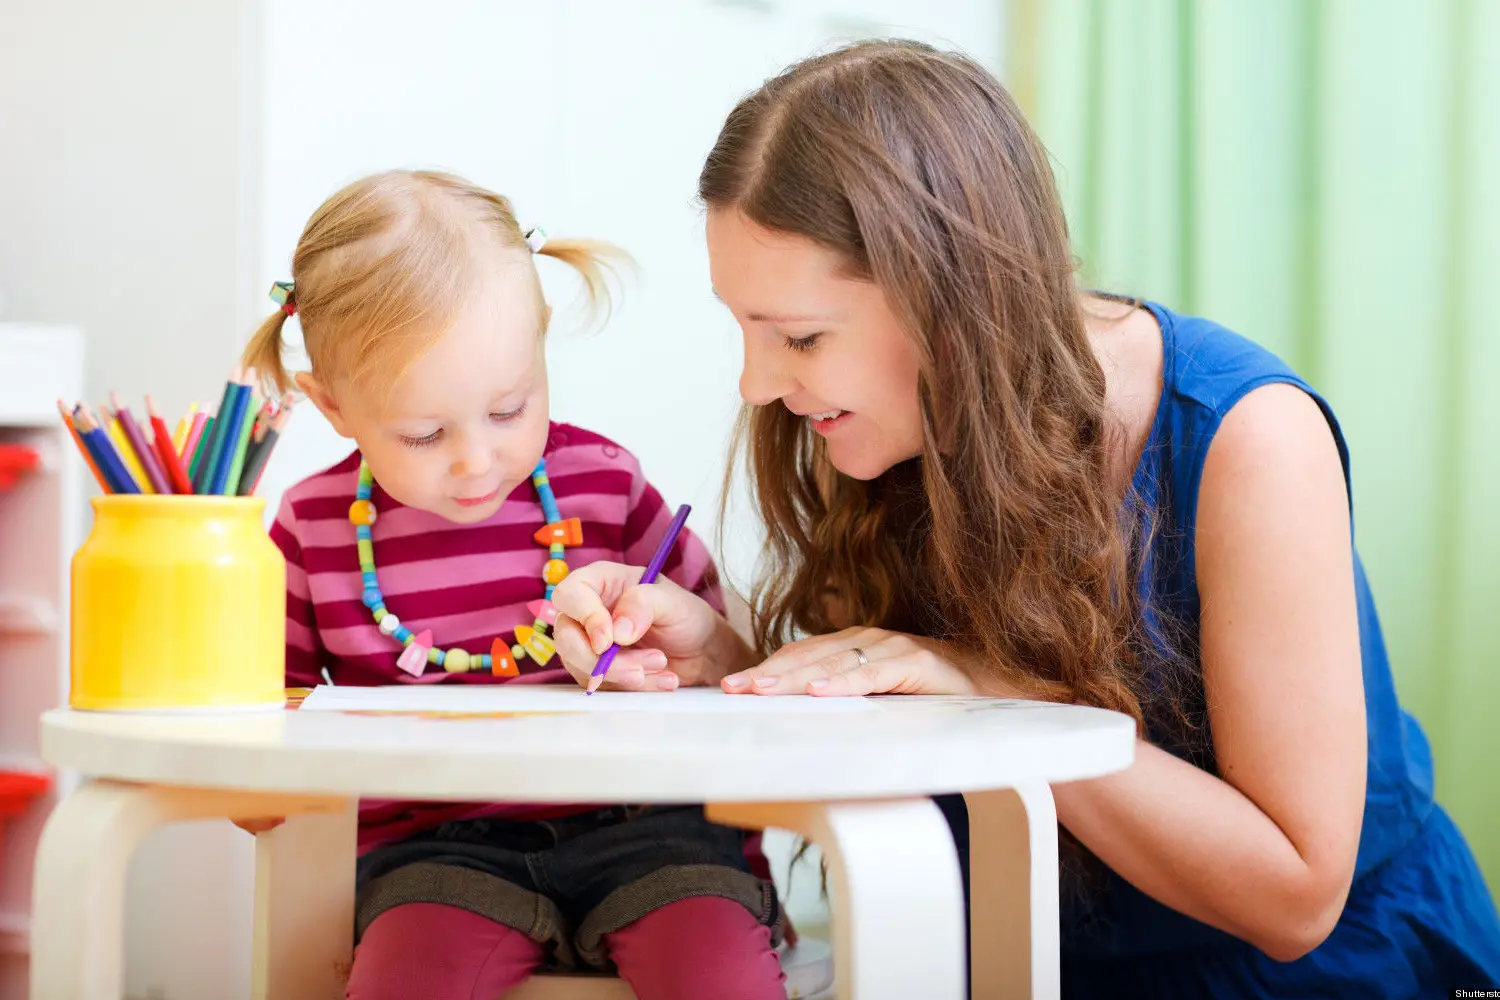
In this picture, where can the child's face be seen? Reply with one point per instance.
(467, 422)
(825, 345)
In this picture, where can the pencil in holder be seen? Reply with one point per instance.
(178, 604)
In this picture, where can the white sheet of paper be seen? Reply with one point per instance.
(564, 698)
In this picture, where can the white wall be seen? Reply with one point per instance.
(160, 158)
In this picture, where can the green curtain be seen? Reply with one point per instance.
(1324, 177)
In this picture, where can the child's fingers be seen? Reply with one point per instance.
(586, 595)
(641, 670)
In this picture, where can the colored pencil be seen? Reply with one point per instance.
(179, 435)
(195, 431)
(229, 440)
(104, 452)
(111, 424)
(255, 464)
(241, 443)
(653, 570)
(167, 450)
(201, 448)
(143, 452)
(83, 449)
(203, 472)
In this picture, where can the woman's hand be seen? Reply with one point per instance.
(668, 636)
(857, 661)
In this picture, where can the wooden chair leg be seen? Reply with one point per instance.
(897, 897)
(78, 892)
(1013, 894)
(304, 907)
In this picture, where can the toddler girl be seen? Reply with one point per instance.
(428, 556)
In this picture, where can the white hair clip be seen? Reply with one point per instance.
(536, 238)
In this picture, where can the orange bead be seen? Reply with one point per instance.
(569, 532)
(555, 571)
(362, 512)
(502, 664)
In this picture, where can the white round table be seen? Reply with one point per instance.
(855, 783)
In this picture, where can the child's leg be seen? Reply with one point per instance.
(439, 953)
(703, 946)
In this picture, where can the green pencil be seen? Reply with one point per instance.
(203, 439)
(241, 442)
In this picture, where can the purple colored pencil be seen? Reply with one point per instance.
(653, 570)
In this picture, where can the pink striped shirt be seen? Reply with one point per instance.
(466, 583)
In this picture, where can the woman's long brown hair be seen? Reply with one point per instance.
(1006, 535)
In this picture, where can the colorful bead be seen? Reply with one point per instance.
(540, 647)
(413, 658)
(502, 663)
(569, 532)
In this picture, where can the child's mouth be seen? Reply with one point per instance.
(477, 501)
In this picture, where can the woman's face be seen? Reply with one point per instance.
(824, 345)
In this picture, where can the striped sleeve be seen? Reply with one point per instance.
(304, 654)
(689, 565)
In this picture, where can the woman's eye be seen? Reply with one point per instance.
(806, 343)
(421, 442)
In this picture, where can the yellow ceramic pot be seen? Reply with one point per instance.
(179, 603)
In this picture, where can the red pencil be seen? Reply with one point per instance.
(164, 450)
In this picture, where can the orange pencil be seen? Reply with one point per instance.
(83, 450)
(170, 460)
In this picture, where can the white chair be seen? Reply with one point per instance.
(808, 968)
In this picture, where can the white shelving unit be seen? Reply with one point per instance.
(40, 525)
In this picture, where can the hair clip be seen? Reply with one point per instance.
(536, 238)
(284, 293)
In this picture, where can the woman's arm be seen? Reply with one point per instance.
(1266, 851)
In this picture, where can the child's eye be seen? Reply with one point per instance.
(806, 343)
(508, 415)
(421, 442)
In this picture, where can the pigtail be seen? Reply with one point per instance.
(263, 355)
(595, 261)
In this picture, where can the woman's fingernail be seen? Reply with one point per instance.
(599, 641)
(766, 682)
(656, 659)
(668, 682)
(818, 685)
(736, 681)
(624, 630)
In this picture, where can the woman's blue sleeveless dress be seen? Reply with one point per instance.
(1419, 921)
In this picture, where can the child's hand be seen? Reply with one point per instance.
(259, 825)
(668, 636)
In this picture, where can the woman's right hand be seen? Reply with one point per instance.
(668, 636)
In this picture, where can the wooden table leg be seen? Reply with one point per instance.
(897, 897)
(1013, 894)
(78, 892)
(304, 907)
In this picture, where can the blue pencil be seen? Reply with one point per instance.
(228, 442)
(204, 474)
(105, 456)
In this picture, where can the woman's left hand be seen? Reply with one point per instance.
(857, 661)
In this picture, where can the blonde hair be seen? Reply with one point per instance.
(386, 264)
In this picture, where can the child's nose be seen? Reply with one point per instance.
(473, 460)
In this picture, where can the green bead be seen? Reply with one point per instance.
(366, 554)
(379, 613)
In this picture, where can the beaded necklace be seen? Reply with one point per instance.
(502, 660)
